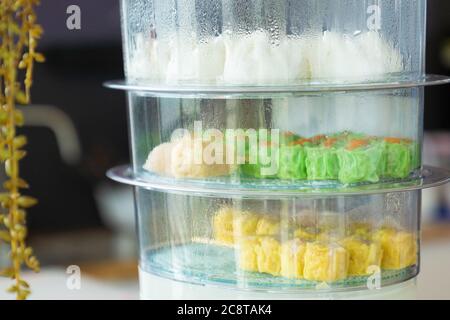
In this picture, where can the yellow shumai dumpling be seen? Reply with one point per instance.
(223, 225)
(362, 255)
(292, 259)
(269, 256)
(329, 237)
(325, 262)
(361, 230)
(244, 224)
(384, 235)
(267, 227)
(246, 249)
(329, 227)
(304, 233)
(399, 248)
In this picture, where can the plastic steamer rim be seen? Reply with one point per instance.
(429, 177)
(187, 90)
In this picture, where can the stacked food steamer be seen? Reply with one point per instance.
(276, 146)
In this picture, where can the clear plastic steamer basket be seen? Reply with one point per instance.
(254, 42)
(280, 139)
(276, 145)
(278, 242)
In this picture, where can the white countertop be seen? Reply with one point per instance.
(51, 283)
(434, 278)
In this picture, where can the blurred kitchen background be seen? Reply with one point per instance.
(78, 130)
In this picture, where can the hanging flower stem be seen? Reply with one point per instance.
(19, 35)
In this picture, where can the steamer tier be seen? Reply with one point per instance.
(235, 43)
(276, 146)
